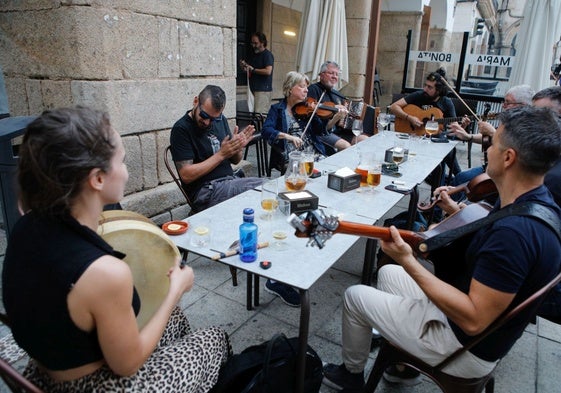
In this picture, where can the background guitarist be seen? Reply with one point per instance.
(432, 95)
(509, 260)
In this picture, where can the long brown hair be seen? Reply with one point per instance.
(59, 150)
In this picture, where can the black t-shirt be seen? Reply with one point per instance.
(420, 99)
(261, 82)
(189, 142)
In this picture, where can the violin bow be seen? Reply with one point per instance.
(443, 80)
(311, 116)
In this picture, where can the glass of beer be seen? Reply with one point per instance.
(269, 202)
(366, 160)
(398, 154)
(431, 128)
(308, 159)
(295, 176)
(374, 175)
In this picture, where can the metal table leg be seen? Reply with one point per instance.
(303, 339)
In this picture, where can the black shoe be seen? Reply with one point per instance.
(408, 376)
(288, 294)
(339, 378)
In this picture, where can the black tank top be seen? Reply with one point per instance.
(43, 260)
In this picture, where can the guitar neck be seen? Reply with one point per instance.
(382, 233)
(446, 120)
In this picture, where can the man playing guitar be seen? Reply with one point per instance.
(509, 260)
(432, 95)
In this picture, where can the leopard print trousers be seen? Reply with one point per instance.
(183, 361)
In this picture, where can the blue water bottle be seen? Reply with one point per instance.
(248, 237)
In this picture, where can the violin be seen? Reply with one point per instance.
(304, 109)
(477, 189)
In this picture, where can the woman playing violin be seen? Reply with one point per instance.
(284, 131)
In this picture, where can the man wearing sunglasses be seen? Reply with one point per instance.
(203, 149)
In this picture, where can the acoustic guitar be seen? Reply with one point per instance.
(403, 125)
(318, 227)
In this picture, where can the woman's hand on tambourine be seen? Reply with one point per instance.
(181, 279)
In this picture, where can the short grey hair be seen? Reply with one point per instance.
(292, 79)
(328, 63)
(522, 94)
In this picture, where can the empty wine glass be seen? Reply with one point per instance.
(356, 129)
(383, 121)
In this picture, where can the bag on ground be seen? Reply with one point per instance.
(269, 367)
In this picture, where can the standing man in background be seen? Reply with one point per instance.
(260, 75)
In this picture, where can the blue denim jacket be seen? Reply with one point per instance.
(276, 123)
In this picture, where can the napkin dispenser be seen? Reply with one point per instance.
(343, 180)
(299, 201)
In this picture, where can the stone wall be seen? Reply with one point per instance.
(141, 61)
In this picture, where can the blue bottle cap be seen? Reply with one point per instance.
(248, 214)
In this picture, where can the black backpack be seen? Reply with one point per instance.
(269, 367)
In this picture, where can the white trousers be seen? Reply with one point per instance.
(262, 101)
(403, 314)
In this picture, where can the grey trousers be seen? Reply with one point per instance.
(224, 188)
(403, 314)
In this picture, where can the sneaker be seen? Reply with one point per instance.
(339, 378)
(408, 376)
(288, 294)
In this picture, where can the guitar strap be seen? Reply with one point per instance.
(527, 209)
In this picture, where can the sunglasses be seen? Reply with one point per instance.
(206, 116)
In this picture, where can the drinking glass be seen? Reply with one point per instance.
(356, 129)
(374, 175)
(383, 121)
(269, 202)
(398, 153)
(431, 128)
(308, 159)
(280, 228)
(200, 235)
(366, 158)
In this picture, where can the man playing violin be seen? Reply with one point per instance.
(507, 261)
(337, 137)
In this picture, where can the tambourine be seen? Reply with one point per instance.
(149, 252)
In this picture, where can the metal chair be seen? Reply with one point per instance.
(11, 377)
(175, 176)
(15, 381)
(256, 119)
(390, 354)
